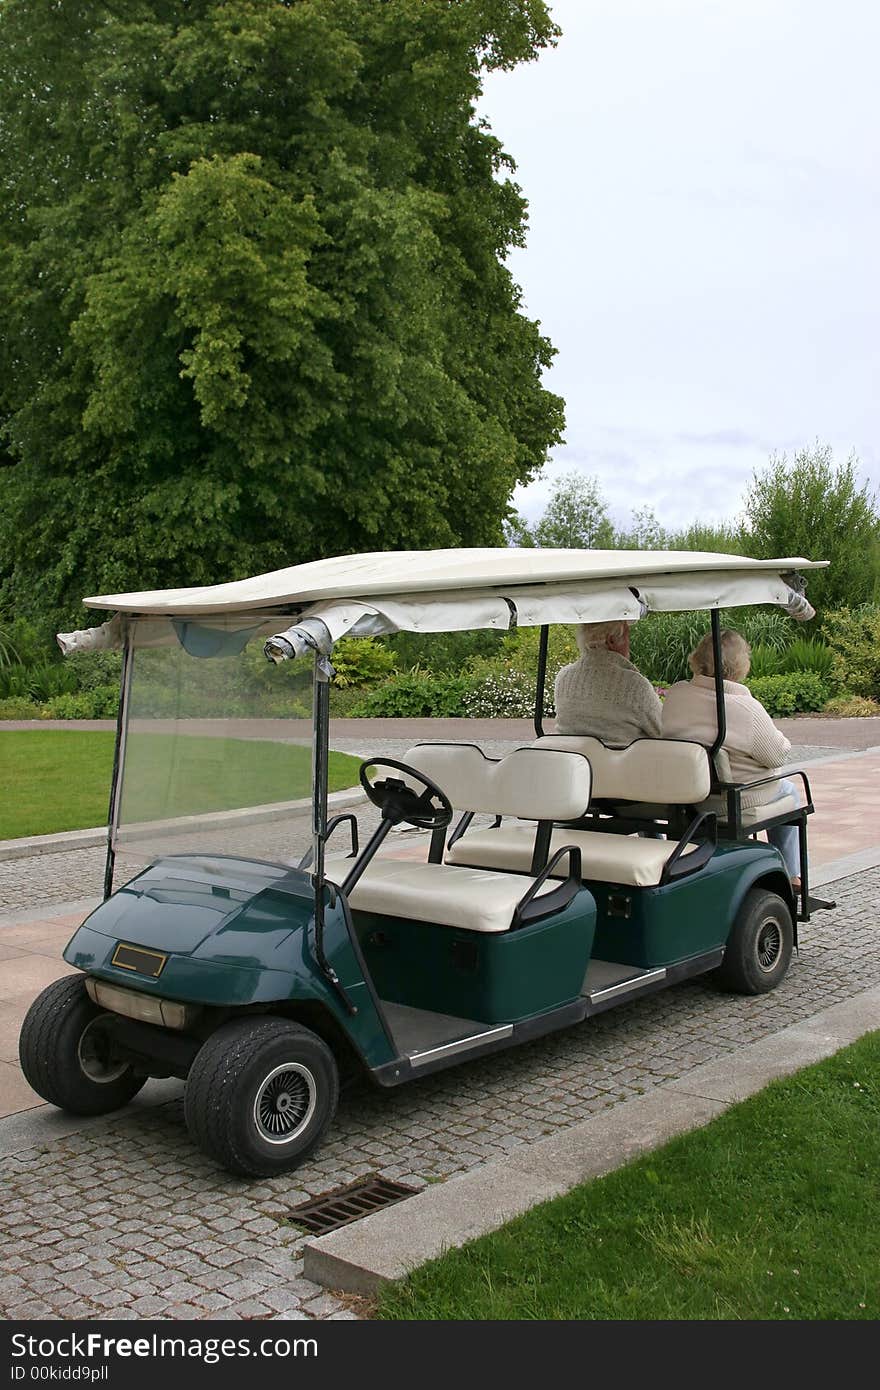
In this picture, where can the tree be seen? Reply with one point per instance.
(645, 532)
(812, 507)
(576, 517)
(255, 304)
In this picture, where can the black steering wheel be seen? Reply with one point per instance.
(398, 802)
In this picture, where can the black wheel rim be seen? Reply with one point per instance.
(768, 948)
(285, 1103)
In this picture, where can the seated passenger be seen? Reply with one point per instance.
(602, 694)
(752, 742)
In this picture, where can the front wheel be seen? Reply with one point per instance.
(66, 1052)
(260, 1094)
(759, 946)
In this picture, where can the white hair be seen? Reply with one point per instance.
(596, 634)
(736, 656)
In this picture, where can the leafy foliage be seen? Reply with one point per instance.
(766, 661)
(853, 707)
(361, 662)
(812, 506)
(39, 682)
(576, 518)
(415, 695)
(795, 692)
(442, 652)
(807, 654)
(506, 694)
(255, 300)
(101, 702)
(854, 638)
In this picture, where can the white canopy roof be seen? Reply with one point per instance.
(451, 590)
(424, 572)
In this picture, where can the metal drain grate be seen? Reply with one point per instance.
(347, 1204)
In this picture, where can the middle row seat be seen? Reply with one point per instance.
(606, 858)
(670, 773)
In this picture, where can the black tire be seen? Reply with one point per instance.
(260, 1094)
(759, 947)
(63, 1057)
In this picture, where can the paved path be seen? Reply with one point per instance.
(122, 1217)
(805, 729)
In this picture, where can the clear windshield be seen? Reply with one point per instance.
(217, 751)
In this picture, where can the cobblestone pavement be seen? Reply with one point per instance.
(126, 1219)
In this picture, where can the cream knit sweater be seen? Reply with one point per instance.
(753, 743)
(605, 696)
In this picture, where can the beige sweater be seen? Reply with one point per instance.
(753, 743)
(605, 696)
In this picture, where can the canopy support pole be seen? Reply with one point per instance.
(720, 711)
(542, 676)
(118, 761)
(320, 768)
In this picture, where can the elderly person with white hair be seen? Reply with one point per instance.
(752, 741)
(602, 694)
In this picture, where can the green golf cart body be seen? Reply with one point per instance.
(257, 980)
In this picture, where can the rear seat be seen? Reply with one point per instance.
(606, 858)
(749, 815)
(663, 771)
(530, 783)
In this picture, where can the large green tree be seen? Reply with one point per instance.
(811, 506)
(254, 300)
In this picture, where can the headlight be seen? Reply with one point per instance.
(165, 1013)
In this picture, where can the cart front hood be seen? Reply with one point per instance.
(224, 910)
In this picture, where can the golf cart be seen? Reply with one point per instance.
(256, 978)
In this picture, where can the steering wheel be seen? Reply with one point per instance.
(398, 802)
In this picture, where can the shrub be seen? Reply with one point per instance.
(100, 703)
(796, 692)
(807, 654)
(91, 669)
(764, 627)
(853, 634)
(766, 661)
(361, 662)
(507, 694)
(8, 651)
(415, 695)
(19, 708)
(444, 653)
(36, 682)
(344, 702)
(852, 707)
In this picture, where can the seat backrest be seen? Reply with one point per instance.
(669, 771)
(543, 784)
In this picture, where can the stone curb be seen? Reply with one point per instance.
(97, 836)
(360, 1258)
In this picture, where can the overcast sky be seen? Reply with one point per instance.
(704, 190)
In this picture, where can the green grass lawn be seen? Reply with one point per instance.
(60, 779)
(768, 1212)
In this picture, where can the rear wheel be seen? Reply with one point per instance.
(67, 1055)
(760, 944)
(260, 1094)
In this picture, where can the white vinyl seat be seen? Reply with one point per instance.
(749, 815)
(651, 774)
(533, 784)
(660, 771)
(756, 815)
(606, 858)
(473, 899)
